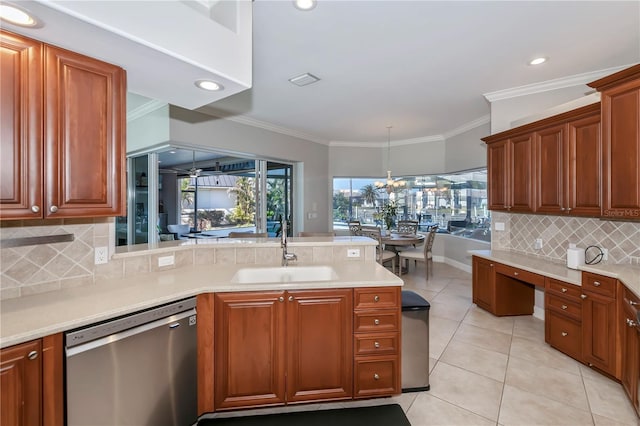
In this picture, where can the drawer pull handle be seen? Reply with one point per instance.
(631, 323)
(280, 299)
(565, 334)
(596, 283)
(564, 290)
(376, 321)
(516, 274)
(564, 307)
(376, 345)
(32, 355)
(290, 298)
(631, 302)
(376, 376)
(376, 298)
(584, 296)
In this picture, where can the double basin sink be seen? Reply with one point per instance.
(284, 274)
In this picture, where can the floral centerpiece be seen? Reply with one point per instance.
(389, 212)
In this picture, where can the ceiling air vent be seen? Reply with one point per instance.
(304, 79)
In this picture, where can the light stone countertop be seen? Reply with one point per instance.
(32, 317)
(629, 275)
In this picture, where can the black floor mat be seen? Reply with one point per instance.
(382, 415)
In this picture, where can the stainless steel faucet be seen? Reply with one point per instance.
(286, 257)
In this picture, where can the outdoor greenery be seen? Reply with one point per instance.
(245, 210)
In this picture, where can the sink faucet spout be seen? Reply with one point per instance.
(286, 256)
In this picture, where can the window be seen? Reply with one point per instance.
(456, 202)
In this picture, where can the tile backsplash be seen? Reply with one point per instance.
(621, 239)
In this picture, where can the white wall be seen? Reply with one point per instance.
(148, 130)
(466, 151)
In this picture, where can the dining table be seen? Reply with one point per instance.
(396, 241)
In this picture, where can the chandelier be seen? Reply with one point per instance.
(390, 184)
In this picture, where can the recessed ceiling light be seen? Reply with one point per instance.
(209, 85)
(16, 16)
(305, 4)
(537, 61)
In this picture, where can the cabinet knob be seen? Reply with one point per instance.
(564, 306)
(53, 209)
(376, 376)
(32, 355)
(584, 296)
(596, 283)
(35, 209)
(565, 334)
(562, 209)
(568, 209)
(516, 274)
(376, 321)
(280, 299)
(376, 345)
(491, 265)
(290, 298)
(376, 298)
(564, 290)
(631, 302)
(631, 323)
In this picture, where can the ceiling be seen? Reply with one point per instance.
(420, 66)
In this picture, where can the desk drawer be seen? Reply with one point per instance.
(376, 376)
(373, 321)
(376, 344)
(564, 334)
(570, 291)
(376, 297)
(565, 306)
(520, 274)
(599, 284)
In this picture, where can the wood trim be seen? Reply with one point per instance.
(53, 380)
(545, 122)
(204, 309)
(615, 79)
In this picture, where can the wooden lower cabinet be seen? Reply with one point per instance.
(282, 347)
(31, 383)
(483, 283)
(563, 317)
(629, 305)
(377, 339)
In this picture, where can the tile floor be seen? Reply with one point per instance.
(487, 370)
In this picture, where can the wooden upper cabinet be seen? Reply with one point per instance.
(522, 174)
(620, 143)
(20, 127)
(551, 155)
(584, 196)
(63, 130)
(498, 172)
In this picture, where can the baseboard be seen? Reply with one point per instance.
(454, 263)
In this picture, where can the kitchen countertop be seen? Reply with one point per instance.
(32, 317)
(629, 275)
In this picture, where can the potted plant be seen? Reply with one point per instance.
(389, 212)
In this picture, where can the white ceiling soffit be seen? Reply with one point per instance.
(163, 56)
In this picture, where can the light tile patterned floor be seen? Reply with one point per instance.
(487, 370)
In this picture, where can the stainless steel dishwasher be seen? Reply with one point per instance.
(135, 370)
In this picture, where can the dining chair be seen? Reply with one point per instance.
(382, 255)
(316, 234)
(233, 234)
(355, 227)
(179, 231)
(421, 254)
(407, 226)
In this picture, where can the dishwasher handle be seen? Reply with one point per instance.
(171, 322)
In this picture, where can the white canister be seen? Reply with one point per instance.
(575, 257)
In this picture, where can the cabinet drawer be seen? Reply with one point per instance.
(520, 274)
(376, 344)
(565, 306)
(630, 303)
(567, 290)
(369, 321)
(599, 284)
(564, 334)
(376, 376)
(377, 297)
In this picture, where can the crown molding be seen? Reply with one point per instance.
(555, 84)
(423, 139)
(144, 109)
(485, 119)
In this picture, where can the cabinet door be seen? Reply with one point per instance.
(20, 127)
(621, 151)
(498, 170)
(249, 342)
(630, 355)
(84, 136)
(483, 284)
(584, 175)
(21, 384)
(550, 170)
(599, 332)
(319, 345)
(522, 176)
